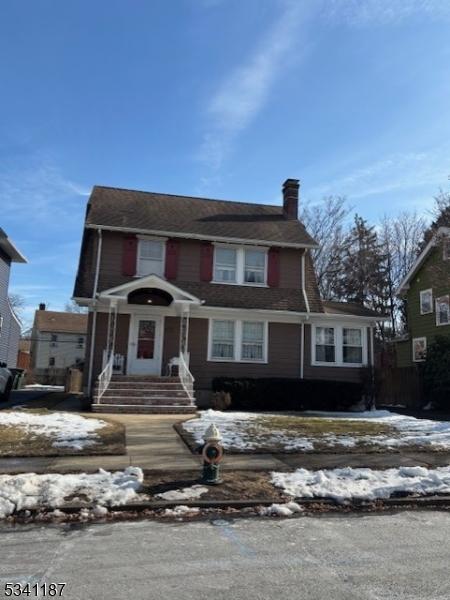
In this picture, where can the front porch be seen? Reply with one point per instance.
(140, 358)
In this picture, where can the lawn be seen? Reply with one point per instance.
(45, 433)
(378, 431)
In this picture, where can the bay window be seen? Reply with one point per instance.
(240, 265)
(339, 345)
(150, 257)
(240, 341)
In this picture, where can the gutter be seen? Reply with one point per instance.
(94, 312)
(201, 236)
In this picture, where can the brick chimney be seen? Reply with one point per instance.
(290, 198)
(41, 306)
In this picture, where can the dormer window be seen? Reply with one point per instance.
(240, 265)
(150, 257)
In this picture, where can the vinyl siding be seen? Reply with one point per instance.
(435, 274)
(10, 333)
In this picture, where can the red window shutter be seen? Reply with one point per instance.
(273, 267)
(172, 251)
(129, 255)
(206, 261)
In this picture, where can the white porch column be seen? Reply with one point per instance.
(184, 332)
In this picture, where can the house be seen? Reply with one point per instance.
(205, 288)
(58, 341)
(9, 323)
(426, 290)
(23, 355)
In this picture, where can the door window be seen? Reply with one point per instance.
(146, 339)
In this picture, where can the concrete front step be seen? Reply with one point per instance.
(145, 379)
(146, 392)
(137, 409)
(153, 401)
(139, 385)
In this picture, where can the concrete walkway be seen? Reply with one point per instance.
(153, 444)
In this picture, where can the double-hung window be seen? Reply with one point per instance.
(255, 266)
(446, 249)
(240, 265)
(325, 344)
(223, 340)
(150, 257)
(241, 341)
(225, 265)
(352, 346)
(443, 310)
(426, 301)
(339, 346)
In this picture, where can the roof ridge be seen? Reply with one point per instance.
(111, 187)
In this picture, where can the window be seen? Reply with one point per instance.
(426, 302)
(223, 340)
(239, 265)
(51, 361)
(150, 257)
(446, 249)
(252, 340)
(325, 348)
(255, 266)
(339, 346)
(53, 340)
(419, 349)
(225, 265)
(240, 341)
(80, 343)
(443, 310)
(352, 348)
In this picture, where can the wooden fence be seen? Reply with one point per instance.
(400, 386)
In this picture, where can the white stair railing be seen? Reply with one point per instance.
(104, 378)
(186, 377)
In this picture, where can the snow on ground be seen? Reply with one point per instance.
(181, 511)
(188, 493)
(363, 484)
(241, 431)
(44, 388)
(66, 429)
(30, 491)
(281, 510)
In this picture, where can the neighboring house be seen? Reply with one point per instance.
(217, 288)
(58, 341)
(426, 289)
(9, 323)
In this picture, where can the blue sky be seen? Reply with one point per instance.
(219, 98)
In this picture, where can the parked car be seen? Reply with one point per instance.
(6, 382)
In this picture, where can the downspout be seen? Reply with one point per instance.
(94, 312)
(305, 297)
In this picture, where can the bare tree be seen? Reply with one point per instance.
(73, 307)
(326, 222)
(17, 302)
(400, 237)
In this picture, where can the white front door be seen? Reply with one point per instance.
(145, 345)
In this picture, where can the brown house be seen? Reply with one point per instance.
(181, 290)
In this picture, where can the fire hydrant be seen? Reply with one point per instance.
(212, 453)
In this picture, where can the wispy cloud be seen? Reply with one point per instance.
(394, 173)
(383, 12)
(39, 190)
(242, 95)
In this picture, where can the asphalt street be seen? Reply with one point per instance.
(404, 555)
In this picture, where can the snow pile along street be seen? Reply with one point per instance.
(67, 430)
(188, 493)
(31, 491)
(348, 484)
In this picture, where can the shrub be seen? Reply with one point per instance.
(289, 394)
(436, 372)
(221, 400)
